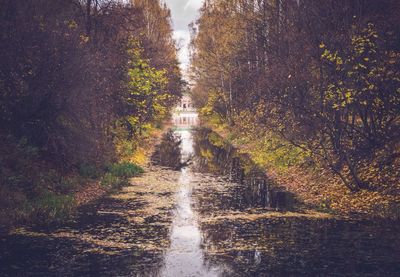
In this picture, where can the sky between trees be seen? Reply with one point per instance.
(183, 12)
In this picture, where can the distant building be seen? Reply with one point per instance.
(185, 104)
(185, 115)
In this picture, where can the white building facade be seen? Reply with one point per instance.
(185, 115)
(185, 104)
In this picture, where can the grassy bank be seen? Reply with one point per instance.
(295, 170)
(36, 192)
(55, 196)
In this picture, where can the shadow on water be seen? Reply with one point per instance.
(302, 247)
(168, 152)
(101, 240)
(253, 188)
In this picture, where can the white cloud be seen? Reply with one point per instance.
(193, 5)
(183, 13)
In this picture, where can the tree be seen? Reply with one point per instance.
(323, 75)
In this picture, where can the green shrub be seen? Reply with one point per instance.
(125, 169)
(89, 171)
(111, 181)
(51, 207)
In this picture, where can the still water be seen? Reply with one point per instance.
(185, 256)
(202, 209)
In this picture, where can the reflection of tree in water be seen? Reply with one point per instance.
(301, 247)
(252, 189)
(168, 152)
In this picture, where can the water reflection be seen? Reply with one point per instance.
(252, 187)
(185, 256)
(302, 247)
(168, 152)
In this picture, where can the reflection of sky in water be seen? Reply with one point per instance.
(187, 144)
(185, 256)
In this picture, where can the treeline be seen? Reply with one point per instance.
(80, 80)
(320, 78)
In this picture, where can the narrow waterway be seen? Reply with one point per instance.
(185, 256)
(202, 209)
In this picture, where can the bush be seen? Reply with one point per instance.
(50, 207)
(89, 171)
(125, 169)
(111, 181)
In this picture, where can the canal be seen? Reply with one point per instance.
(202, 209)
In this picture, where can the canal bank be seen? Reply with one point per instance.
(316, 187)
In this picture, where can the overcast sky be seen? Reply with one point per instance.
(183, 12)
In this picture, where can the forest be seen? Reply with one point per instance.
(307, 83)
(81, 81)
(183, 138)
